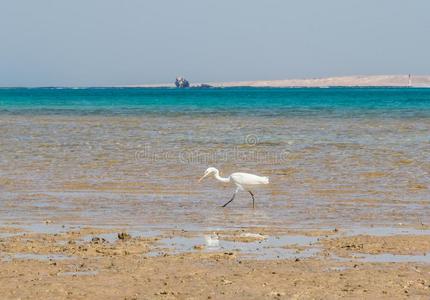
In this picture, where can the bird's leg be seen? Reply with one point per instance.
(232, 198)
(253, 199)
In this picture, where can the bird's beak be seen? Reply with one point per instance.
(201, 178)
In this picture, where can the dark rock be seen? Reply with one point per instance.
(124, 236)
(97, 240)
(181, 82)
(203, 86)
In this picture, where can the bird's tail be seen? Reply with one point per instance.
(265, 180)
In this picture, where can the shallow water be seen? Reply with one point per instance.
(386, 258)
(386, 231)
(33, 256)
(272, 247)
(344, 158)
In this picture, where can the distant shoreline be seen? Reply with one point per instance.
(341, 81)
(417, 81)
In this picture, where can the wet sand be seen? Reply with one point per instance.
(89, 263)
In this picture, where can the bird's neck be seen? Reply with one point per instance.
(222, 179)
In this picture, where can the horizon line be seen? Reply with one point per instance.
(391, 80)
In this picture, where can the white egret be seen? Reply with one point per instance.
(212, 240)
(243, 182)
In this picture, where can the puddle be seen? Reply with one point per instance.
(32, 256)
(385, 231)
(8, 235)
(280, 253)
(392, 258)
(144, 232)
(78, 273)
(269, 248)
(112, 237)
(109, 237)
(384, 258)
(338, 269)
(45, 228)
(299, 240)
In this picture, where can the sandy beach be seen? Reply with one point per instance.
(88, 263)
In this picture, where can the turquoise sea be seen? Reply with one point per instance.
(258, 101)
(336, 157)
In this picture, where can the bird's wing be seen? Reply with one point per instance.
(249, 179)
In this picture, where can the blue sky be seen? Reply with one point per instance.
(111, 42)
